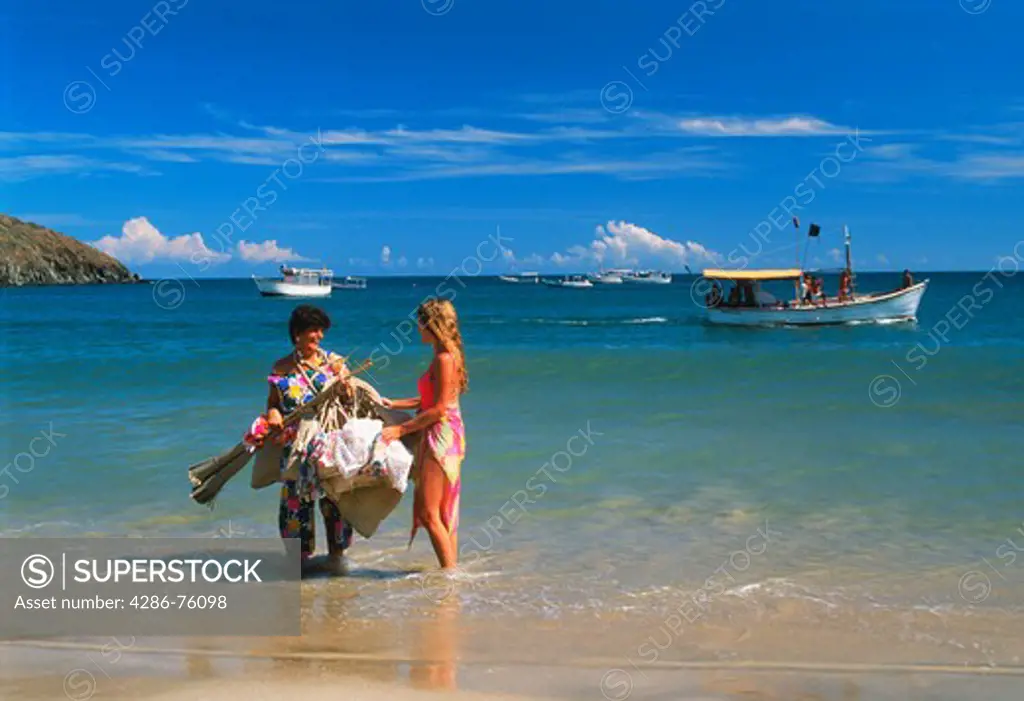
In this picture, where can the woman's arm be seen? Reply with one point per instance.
(448, 395)
(274, 400)
(273, 415)
(410, 403)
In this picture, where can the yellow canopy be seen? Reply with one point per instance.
(784, 274)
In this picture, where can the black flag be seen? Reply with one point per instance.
(814, 230)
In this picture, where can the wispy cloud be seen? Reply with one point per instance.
(20, 168)
(567, 141)
(990, 166)
(548, 138)
(696, 162)
(899, 161)
(788, 126)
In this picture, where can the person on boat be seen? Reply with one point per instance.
(714, 297)
(806, 288)
(817, 291)
(294, 380)
(845, 291)
(734, 296)
(747, 294)
(443, 445)
(908, 279)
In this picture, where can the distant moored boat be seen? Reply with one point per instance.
(648, 277)
(296, 282)
(350, 282)
(521, 278)
(576, 282)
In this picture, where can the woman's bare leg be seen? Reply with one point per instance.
(431, 494)
(453, 539)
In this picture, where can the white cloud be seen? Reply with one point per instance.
(425, 263)
(359, 262)
(402, 262)
(385, 255)
(141, 242)
(881, 257)
(266, 252)
(628, 244)
(795, 125)
(835, 255)
(622, 244)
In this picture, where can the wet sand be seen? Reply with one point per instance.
(34, 674)
(735, 652)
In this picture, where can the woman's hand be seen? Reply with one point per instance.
(274, 419)
(275, 424)
(340, 369)
(386, 403)
(391, 433)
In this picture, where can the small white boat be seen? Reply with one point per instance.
(608, 277)
(576, 282)
(350, 282)
(648, 277)
(521, 278)
(296, 282)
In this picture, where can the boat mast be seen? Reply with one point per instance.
(796, 283)
(849, 263)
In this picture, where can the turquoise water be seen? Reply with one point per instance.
(698, 435)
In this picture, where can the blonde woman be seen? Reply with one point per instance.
(443, 445)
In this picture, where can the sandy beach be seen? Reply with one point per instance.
(731, 653)
(82, 672)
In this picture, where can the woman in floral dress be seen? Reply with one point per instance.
(294, 380)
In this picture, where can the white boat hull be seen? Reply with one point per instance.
(569, 285)
(278, 288)
(350, 283)
(900, 305)
(518, 280)
(649, 280)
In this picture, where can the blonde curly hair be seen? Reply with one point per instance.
(438, 315)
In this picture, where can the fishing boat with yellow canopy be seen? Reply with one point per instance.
(748, 303)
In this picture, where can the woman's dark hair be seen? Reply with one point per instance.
(306, 317)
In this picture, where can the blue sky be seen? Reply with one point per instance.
(393, 137)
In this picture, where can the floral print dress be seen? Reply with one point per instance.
(296, 515)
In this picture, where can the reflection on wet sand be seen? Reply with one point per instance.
(426, 646)
(767, 687)
(436, 644)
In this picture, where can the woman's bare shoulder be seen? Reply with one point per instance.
(283, 365)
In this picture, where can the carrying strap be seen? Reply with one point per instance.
(300, 365)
